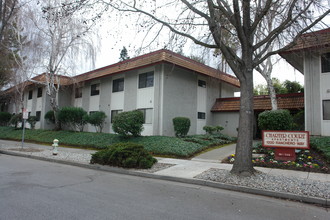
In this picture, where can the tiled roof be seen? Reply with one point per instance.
(261, 103)
(312, 40)
(159, 56)
(64, 80)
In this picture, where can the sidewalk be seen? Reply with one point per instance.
(183, 170)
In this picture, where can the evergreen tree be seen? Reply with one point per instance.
(124, 54)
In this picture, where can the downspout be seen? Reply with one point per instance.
(161, 100)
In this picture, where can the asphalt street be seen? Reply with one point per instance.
(33, 189)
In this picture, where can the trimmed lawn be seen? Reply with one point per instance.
(157, 145)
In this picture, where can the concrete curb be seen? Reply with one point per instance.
(280, 195)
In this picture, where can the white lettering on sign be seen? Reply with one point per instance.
(288, 139)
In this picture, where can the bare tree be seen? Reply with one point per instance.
(8, 10)
(65, 31)
(26, 57)
(266, 68)
(293, 18)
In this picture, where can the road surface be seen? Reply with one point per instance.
(32, 189)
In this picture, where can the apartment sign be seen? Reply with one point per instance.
(286, 139)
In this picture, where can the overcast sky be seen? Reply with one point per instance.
(122, 31)
(110, 47)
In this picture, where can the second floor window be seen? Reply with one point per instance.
(325, 63)
(146, 80)
(30, 94)
(78, 93)
(39, 92)
(95, 89)
(118, 85)
(202, 83)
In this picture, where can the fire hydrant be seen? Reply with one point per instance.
(55, 145)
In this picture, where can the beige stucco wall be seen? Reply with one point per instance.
(317, 89)
(228, 120)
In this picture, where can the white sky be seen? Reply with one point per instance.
(110, 51)
(122, 31)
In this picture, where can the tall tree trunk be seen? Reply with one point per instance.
(242, 164)
(272, 93)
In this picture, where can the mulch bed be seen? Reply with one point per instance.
(285, 165)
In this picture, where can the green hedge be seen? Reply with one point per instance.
(128, 155)
(181, 126)
(128, 123)
(4, 118)
(321, 144)
(275, 120)
(50, 117)
(97, 120)
(73, 117)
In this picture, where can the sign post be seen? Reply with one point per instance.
(25, 116)
(285, 143)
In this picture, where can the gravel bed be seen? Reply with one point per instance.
(46, 153)
(79, 157)
(272, 183)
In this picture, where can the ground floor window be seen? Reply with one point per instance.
(201, 115)
(147, 115)
(38, 114)
(326, 109)
(114, 113)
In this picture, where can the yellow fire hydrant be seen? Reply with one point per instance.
(55, 145)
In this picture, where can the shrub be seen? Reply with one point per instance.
(50, 117)
(212, 129)
(299, 121)
(15, 119)
(32, 120)
(275, 120)
(181, 126)
(128, 123)
(128, 155)
(97, 120)
(4, 118)
(73, 117)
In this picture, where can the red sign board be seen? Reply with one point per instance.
(285, 143)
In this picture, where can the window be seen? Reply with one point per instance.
(78, 93)
(30, 94)
(38, 114)
(202, 83)
(147, 115)
(146, 80)
(325, 63)
(118, 85)
(39, 94)
(326, 109)
(114, 113)
(201, 115)
(95, 89)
